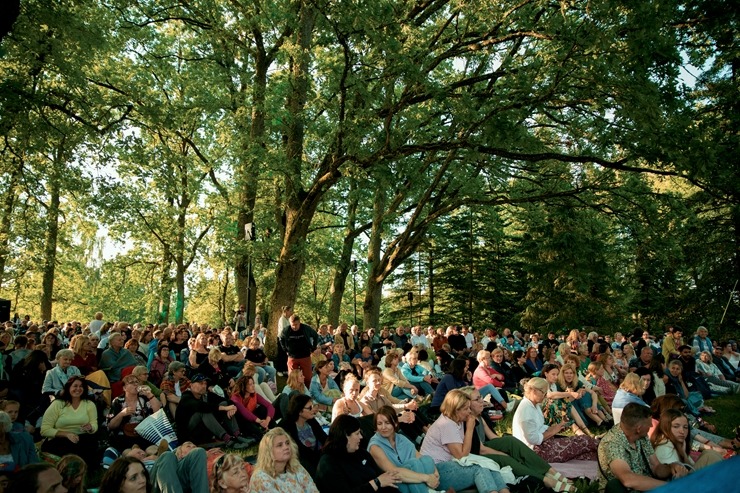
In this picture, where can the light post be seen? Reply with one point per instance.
(411, 308)
(250, 234)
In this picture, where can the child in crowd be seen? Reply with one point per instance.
(12, 407)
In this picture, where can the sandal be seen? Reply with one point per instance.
(562, 483)
(564, 486)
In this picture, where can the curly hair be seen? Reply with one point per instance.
(265, 459)
(240, 386)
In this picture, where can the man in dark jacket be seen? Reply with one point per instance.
(299, 341)
(202, 415)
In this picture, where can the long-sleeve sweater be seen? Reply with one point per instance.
(242, 406)
(61, 416)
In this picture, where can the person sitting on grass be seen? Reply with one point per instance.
(627, 460)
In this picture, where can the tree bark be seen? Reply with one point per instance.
(342, 269)
(300, 206)
(52, 236)
(165, 286)
(246, 286)
(7, 213)
(374, 285)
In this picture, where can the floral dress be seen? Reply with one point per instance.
(556, 410)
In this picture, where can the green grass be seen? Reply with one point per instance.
(728, 414)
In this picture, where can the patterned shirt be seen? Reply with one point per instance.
(615, 445)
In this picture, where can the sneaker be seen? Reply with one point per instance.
(248, 441)
(236, 444)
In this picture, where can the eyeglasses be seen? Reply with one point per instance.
(308, 408)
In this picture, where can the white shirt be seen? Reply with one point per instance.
(529, 423)
(469, 339)
(420, 340)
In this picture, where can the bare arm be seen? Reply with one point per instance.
(406, 475)
(631, 480)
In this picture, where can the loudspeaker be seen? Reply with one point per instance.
(4, 310)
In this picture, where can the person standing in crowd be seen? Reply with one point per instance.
(240, 319)
(299, 341)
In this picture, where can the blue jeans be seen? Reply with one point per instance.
(401, 393)
(269, 372)
(423, 387)
(489, 389)
(188, 475)
(453, 475)
(423, 465)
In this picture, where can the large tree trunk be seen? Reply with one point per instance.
(342, 269)
(7, 213)
(52, 235)
(300, 207)
(165, 287)
(374, 286)
(180, 285)
(246, 286)
(180, 253)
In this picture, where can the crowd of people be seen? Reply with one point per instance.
(361, 411)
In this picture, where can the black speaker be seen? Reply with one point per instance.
(4, 310)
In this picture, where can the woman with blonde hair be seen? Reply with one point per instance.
(229, 475)
(631, 390)
(278, 468)
(448, 443)
(510, 451)
(214, 370)
(563, 351)
(85, 358)
(574, 340)
(349, 403)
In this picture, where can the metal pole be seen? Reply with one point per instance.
(249, 289)
(728, 303)
(354, 288)
(411, 308)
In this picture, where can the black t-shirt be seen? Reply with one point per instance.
(229, 350)
(256, 355)
(299, 343)
(457, 342)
